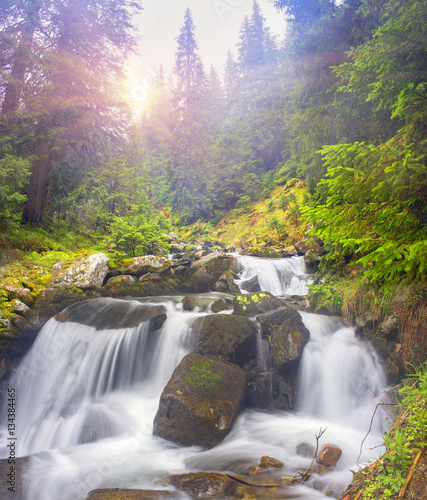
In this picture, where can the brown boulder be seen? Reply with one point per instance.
(255, 303)
(188, 303)
(233, 338)
(329, 455)
(221, 305)
(200, 402)
(226, 284)
(267, 462)
(207, 270)
(203, 484)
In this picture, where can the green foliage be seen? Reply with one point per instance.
(402, 442)
(325, 296)
(371, 209)
(14, 176)
(202, 378)
(140, 233)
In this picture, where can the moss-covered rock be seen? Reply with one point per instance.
(200, 402)
(233, 338)
(255, 303)
(88, 272)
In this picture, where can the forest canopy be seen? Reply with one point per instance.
(340, 106)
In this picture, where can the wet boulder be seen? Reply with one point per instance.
(287, 341)
(188, 303)
(200, 402)
(88, 272)
(203, 484)
(53, 300)
(226, 284)
(270, 320)
(251, 284)
(312, 261)
(267, 462)
(233, 338)
(221, 305)
(119, 494)
(207, 270)
(113, 314)
(329, 455)
(255, 303)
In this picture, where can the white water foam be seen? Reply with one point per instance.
(87, 400)
(277, 276)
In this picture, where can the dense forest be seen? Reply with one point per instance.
(320, 139)
(339, 107)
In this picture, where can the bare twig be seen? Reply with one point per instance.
(304, 476)
(370, 428)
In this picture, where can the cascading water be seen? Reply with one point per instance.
(87, 399)
(277, 276)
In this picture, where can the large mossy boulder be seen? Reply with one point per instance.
(111, 314)
(207, 270)
(89, 272)
(200, 402)
(233, 338)
(255, 303)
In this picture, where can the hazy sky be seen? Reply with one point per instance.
(217, 24)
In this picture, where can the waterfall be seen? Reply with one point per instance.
(87, 397)
(339, 374)
(277, 276)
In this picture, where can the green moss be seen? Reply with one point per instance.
(202, 378)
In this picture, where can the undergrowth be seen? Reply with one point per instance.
(389, 477)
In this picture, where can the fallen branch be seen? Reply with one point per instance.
(410, 474)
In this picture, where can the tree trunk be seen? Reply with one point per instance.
(33, 210)
(21, 62)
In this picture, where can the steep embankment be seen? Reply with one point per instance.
(267, 226)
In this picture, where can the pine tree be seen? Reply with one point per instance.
(190, 148)
(62, 68)
(189, 72)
